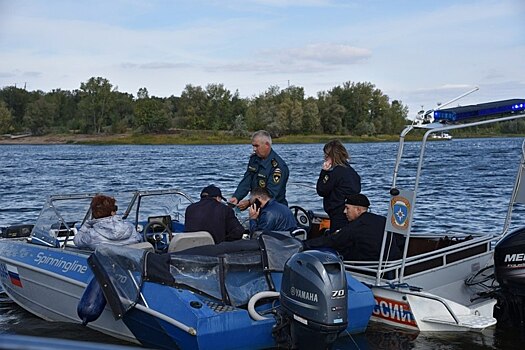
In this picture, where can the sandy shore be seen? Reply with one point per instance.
(58, 139)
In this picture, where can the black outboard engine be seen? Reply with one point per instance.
(314, 299)
(509, 268)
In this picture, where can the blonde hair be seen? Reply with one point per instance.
(335, 150)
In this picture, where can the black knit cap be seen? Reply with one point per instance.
(357, 199)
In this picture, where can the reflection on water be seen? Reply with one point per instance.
(15, 320)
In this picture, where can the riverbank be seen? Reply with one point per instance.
(202, 137)
(182, 138)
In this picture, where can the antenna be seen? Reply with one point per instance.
(456, 98)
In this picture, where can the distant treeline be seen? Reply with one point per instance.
(98, 107)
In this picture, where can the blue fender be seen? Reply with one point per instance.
(92, 303)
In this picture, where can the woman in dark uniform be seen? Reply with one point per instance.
(337, 181)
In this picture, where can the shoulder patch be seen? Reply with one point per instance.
(276, 176)
(326, 178)
(275, 164)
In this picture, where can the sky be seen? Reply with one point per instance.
(419, 52)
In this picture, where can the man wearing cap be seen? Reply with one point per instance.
(210, 214)
(266, 169)
(362, 237)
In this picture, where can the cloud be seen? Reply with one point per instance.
(7, 75)
(312, 58)
(278, 3)
(327, 53)
(154, 65)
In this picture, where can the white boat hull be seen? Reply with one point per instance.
(47, 294)
(433, 296)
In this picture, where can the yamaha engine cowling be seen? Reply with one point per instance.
(314, 299)
(509, 269)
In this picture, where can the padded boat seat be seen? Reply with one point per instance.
(185, 240)
(142, 245)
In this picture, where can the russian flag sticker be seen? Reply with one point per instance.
(14, 276)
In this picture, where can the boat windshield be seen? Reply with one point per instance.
(58, 219)
(63, 215)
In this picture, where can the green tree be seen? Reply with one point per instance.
(311, 120)
(64, 103)
(365, 128)
(192, 108)
(219, 109)
(96, 102)
(16, 100)
(39, 116)
(6, 120)
(379, 107)
(289, 116)
(122, 114)
(331, 113)
(151, 115)
(397, 117)
(239, 106)
(239, 127)
(142, 93)
(262, 111)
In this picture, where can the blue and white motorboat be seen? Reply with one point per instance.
(176, 290)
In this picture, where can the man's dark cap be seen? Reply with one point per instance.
(212, 191)
(357, 199)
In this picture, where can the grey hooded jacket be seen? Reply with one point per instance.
(111, 229)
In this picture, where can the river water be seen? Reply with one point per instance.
(465, 186)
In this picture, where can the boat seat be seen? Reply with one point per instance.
(185, 240)
(142, 245)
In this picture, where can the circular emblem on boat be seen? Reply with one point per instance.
(292, 291)
(400, 212)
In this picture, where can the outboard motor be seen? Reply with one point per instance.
(509, 269)
(314, 299)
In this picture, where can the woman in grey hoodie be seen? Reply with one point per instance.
(105, 226)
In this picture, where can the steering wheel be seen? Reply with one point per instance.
(303, 219)
(158, 234)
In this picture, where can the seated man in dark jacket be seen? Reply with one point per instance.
(362, 237)
(266, 214)
(210, 214)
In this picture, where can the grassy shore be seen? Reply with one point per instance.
(195, 137)
(180, 138)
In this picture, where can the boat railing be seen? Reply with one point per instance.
(412, 194)
(439, 300)
(422, 259)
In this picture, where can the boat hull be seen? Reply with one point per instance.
(444, 304)
(49, 282)
(192, 322)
